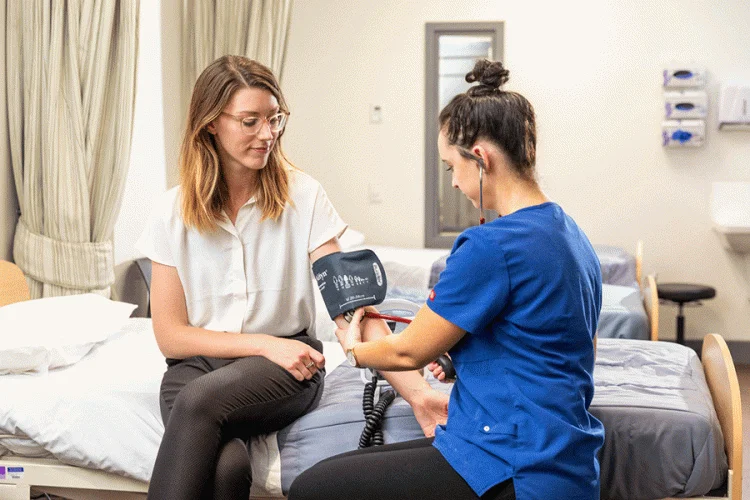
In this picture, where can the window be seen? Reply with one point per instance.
(451, 51)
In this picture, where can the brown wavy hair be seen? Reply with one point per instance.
(204, 188)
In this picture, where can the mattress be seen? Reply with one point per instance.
(103, 413)
(623, 315)
(618, 265)
(663, 438)
(411, 268)
(662, 435)
(412, 272)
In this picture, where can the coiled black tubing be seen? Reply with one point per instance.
(372, 434)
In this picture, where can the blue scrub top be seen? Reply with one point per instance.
(527, 288)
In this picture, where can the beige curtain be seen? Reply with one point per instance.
(257, 29)
(70, 68)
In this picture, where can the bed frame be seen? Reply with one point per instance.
(45, 475)
(721, 377)
(649, 293)
(76, 483)
(639, 262)
(651, 304)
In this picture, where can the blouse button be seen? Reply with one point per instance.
(486, 428)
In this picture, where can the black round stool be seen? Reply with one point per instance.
(681, 294)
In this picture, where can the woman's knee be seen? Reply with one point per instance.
(196, 401)
(233, 464)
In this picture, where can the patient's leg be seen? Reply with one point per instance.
(233, 477)
(219, 399)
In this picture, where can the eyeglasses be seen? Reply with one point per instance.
(251, 124)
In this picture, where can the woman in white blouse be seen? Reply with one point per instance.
(232, 296)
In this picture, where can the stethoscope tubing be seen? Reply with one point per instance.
(387, 317)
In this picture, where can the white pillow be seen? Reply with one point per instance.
(41, 334)
(351, 239)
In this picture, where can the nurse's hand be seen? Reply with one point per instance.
(353, 333)
(431, 410)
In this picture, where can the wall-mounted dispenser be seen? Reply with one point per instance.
(681, 104)
(684, 76)
(677, 133)
(685, 106)
(734, 107)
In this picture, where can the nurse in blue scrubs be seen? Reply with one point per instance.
(516, 308)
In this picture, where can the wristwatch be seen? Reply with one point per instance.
(351, 357)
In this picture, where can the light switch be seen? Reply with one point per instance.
(376, 113)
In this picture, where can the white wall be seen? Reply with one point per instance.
(146, 175)
(591, 68)
(8, 203)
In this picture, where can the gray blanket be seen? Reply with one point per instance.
(662, 435)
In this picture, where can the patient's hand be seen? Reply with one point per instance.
(431, 410)
(352, 334)
(438, 372)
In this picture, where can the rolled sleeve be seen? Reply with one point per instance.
(326, 222)
(154, 242)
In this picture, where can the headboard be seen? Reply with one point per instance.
(132, 285)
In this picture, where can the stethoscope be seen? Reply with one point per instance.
(471, 156)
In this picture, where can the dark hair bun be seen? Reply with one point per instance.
(489, 74)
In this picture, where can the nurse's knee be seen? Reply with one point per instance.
(311, 484)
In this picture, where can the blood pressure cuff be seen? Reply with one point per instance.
(348, 280)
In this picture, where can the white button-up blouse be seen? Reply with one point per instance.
(253, 276)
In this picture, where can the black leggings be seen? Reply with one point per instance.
(412, 470)
(210, 408)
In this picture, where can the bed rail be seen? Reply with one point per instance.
(721, 377)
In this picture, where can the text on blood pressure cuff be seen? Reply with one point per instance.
(348, 280)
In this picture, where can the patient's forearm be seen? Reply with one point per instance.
(407, 381)
(409, 384)
(180, 342)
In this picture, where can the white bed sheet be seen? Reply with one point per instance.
(103, 412)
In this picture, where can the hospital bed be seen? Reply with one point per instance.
(104, 415)
(630, 305)
(70, 452)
